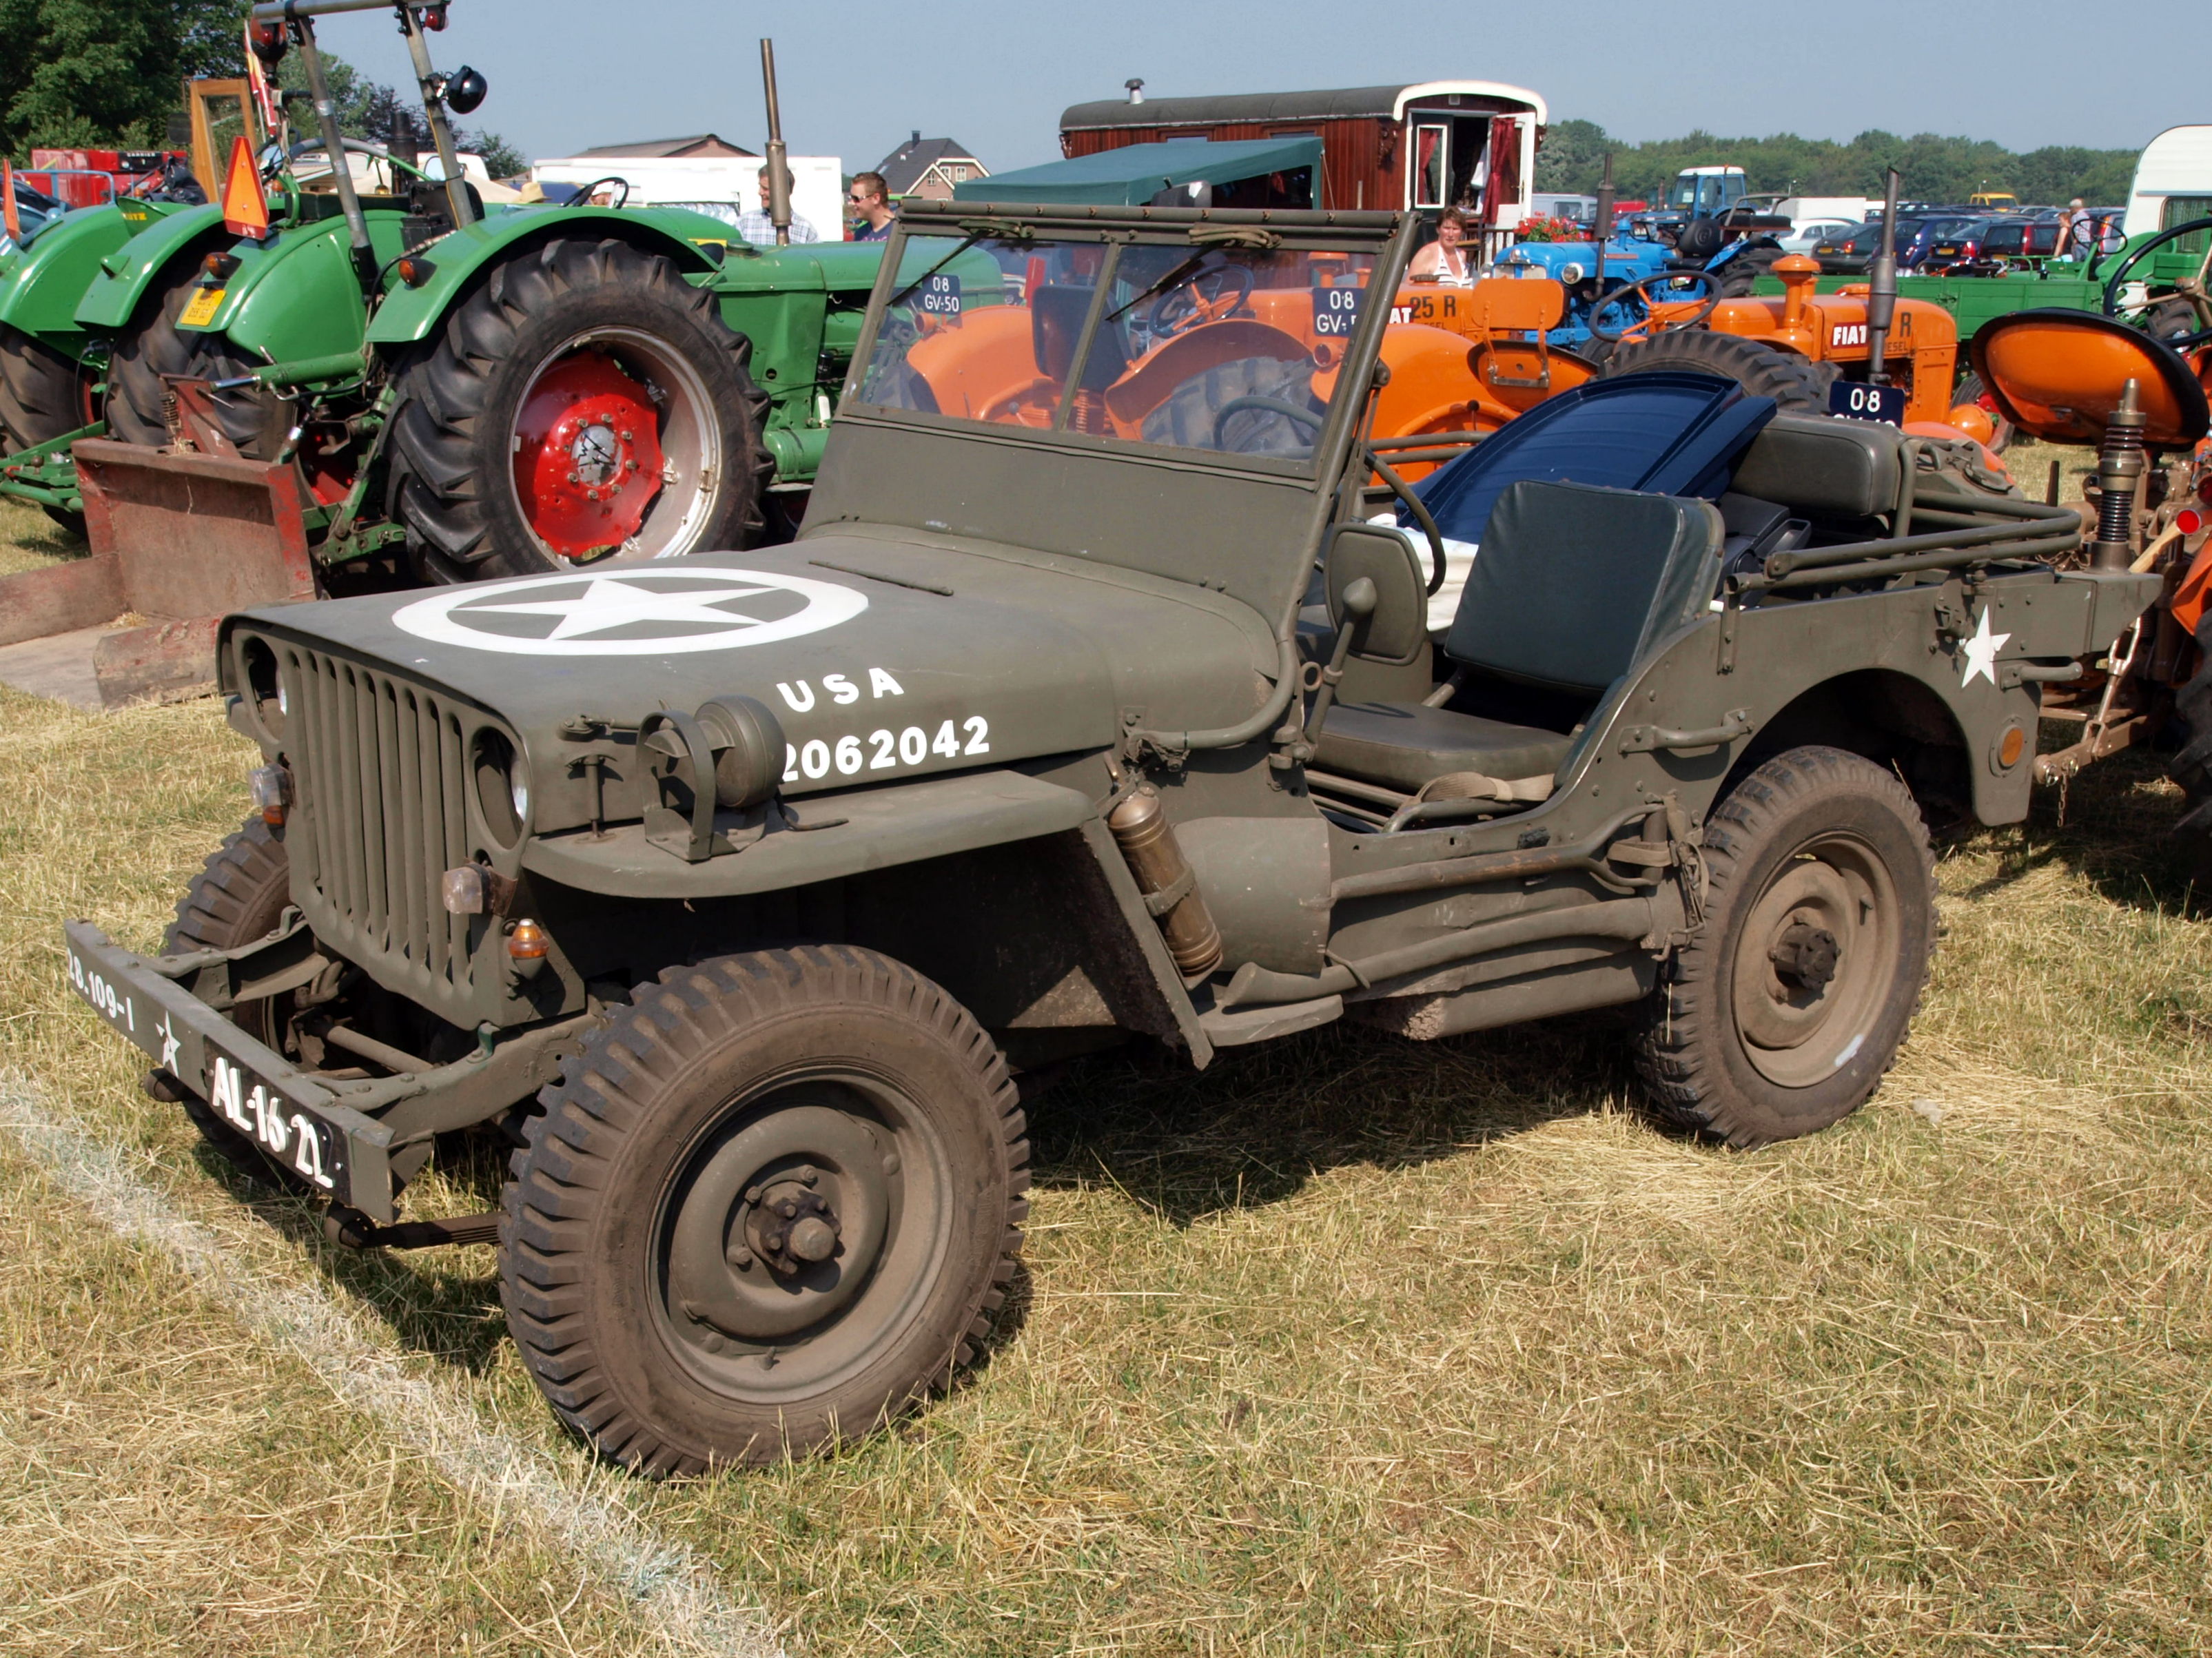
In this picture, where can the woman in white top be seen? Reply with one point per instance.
(1447, 259)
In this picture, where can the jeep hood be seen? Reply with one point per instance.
(883, 655)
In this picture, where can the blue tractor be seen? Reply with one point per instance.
(1708, 243)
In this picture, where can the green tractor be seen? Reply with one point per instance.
(52, 366)
(435, 394)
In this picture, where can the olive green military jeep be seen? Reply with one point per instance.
(1090, 707)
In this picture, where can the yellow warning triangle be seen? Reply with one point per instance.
(245, 209)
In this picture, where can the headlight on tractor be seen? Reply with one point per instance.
(1571, 272)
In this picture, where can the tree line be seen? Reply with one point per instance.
(108, 74)
(1932, 168)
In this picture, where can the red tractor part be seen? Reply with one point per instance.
(587, 460)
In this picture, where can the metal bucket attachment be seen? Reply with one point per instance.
(196, 535)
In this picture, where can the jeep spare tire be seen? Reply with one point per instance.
(584, 405)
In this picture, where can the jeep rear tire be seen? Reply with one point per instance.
(584, 405)
(1788, 1007)
(239, 896)
(1796, 385)
(770, 1205)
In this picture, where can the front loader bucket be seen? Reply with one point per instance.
(189, 537)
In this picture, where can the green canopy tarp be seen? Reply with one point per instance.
(1132, 176)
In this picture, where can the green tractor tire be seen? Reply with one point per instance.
(43, 395)
(582, 406)
(151, 347)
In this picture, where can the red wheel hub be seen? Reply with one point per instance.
(587, 460)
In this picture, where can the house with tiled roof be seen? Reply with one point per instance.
(699, 144)
(928, 168)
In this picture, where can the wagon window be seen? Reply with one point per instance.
(1430, 155)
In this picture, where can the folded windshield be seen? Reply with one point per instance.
(1229, 349)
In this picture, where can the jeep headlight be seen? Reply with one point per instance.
(748, 749)
(502, 788)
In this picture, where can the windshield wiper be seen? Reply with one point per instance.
(1175, 274)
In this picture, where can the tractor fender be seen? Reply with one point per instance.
(459, 259)
(296, 295)
(41, 287)
(124, 274)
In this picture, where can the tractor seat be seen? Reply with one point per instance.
(1574, 586)
(1404, 745)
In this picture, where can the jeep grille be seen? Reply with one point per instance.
(379, 765)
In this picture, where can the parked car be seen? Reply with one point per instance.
(1993, 245)
(1913, 251)
(1850, 256)
(1803, 239)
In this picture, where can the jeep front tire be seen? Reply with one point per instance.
(772, 1203)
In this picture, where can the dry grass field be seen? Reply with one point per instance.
(1351, 1345)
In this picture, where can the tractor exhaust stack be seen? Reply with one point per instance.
(1604, 225)
(1881, 286)
(779, 175)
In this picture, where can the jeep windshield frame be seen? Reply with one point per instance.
(1169, 492)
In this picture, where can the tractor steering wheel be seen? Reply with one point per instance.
(1708, 283)
(583, 197)
(2191, 287)
(1188, 305)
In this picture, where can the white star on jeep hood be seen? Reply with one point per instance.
(609, 603)
(1982, 651)
(631, 611)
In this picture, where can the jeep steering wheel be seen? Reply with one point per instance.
(1187, 305)
(1642, 328)
(2189, 288)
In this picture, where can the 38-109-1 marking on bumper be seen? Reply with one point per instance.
(256, 1108)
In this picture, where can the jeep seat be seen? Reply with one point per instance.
(1576, 585)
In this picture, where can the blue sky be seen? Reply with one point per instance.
(858, 76)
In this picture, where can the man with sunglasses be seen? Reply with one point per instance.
(868, 199)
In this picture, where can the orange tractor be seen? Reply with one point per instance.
(1464, 366)
(1794, 347)
(2071, 377)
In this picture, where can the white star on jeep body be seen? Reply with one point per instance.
(610, 603)
(170, 1045)
(1982, 651)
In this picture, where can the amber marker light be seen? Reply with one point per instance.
(526, 947)
(2011, 746)
(270, 789)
